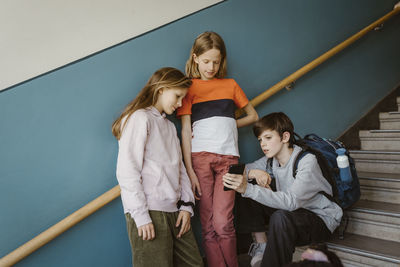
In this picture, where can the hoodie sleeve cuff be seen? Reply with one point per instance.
(188, 209)
(142, 219)
(249, 190)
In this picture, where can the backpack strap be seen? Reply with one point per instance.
(322, 164)
(272, 185)
(299, 156)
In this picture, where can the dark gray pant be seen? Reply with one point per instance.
(286, 229)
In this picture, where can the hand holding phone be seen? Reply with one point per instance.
(235, 169)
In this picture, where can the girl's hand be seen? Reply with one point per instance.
(147, 231)
(236, 182)
(262, 177)
(184, 221)
(195, 185)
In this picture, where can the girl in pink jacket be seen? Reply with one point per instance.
(155, 189)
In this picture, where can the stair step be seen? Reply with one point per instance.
(379, 180)
(357, 251)
(376, 161)
(367, 250)
(398, 103)
(375, 154)
(389, 120)
(372, 193)
(383, 166)
(380, 140)
(375, 219)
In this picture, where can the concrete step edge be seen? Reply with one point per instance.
(377, 175)
(389, 115)
(377, 212)
(374, 188)
(380, 179)
(374, 152)
(363, 253)
(379, 134)
(384, 131)
(357, 250)
(377, 208)
(380, 161)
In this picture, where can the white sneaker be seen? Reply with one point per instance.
(256, 252)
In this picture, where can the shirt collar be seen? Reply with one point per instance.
(155, 112)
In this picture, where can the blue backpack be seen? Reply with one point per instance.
(345, 194)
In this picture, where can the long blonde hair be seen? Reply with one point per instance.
(203, 43)
(163, 78)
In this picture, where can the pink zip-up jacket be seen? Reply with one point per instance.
(150, 170)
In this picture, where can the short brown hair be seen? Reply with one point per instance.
(276, 121)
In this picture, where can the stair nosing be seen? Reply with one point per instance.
(382, 189)
(378, 175)
(384, 131)
(367, 206)
(387, 152)
(392, 180)
(360, 252)
(382, 161)
(376, 212)
(363, 251)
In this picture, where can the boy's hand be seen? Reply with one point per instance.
(195, 185)
(184, 221)
(147, 231)
(236, 182)
(262, 177)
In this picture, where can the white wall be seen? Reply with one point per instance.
(40, 36)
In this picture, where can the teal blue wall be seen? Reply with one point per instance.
(57, 152)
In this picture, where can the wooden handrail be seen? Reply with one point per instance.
(60, 227)
(316, 62)
(57, 229)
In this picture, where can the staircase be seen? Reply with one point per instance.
(372, 237)
(373, 233)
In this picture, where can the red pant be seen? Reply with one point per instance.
(216, 208)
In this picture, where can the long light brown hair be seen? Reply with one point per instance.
(203, 43)
(163, 78)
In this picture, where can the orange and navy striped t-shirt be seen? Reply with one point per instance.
(212, 105)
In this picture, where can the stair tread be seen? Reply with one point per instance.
(388, 114)
(383, 131)
(374, 152)
(368, 246)
(390, 209)
(389, 161)
(389, 176)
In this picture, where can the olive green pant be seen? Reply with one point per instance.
(166, 249)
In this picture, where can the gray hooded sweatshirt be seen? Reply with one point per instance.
(302, 192)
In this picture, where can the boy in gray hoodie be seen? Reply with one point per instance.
(296, 212)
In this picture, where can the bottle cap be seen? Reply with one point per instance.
(341, 151)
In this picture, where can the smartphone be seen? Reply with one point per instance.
(235, 169)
